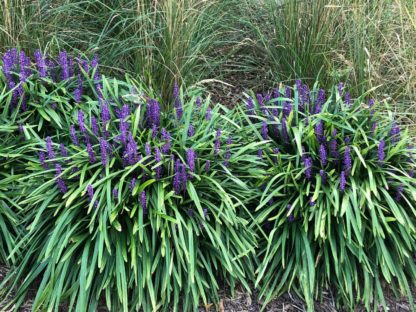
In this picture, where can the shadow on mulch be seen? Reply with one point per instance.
(243, 302)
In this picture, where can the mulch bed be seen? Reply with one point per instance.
(243, 302)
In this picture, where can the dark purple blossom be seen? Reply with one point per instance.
(343, 181)
(207, 165)
(340, 88)
(167, 145)
(208, 114)
(308, 167)
(154, 131)
(347, 160)
(105, 113)
(158, 159)
(131, 155)
(275, 152)
(132, 184)
(94, 66)
(64, 152)
(90, 192)
(323, 155)
(49, 148)
(91, 154)
(40, 64)
(81, 121)
(94, 125)
(264, 130)
(323, 175)
(78, 90)
(380, 152)
(104, 151)
(24, 63)
(73, 133)
(319, 131)
(217, 143)
(190, 159)
(191, 131)
(115, 193)
(59, 181)
(261, 104)
(347, 99)
(63, 62)
(180, 177)
(395, 133)
(250, 107)
(153, 112)
(260, 153)
(198, 102)
(42, 160)
(143, 202)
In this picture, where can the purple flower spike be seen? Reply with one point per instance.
(81, 121)
(260, 153)
(180, 178)
(261, 104)
(380, 152)
(63, 62)
(343, 181)
(40, 64)
(323, 155)
(64, 152)
(395, 133)
(74, 136)
(198, 102)
(166, 137)
(347, 159)
(90, 192)
(275, 152)
(158, 159)
(371, 103)
(347, 99)
(143, 202)
(323, 175)
(94, 65)
(208, 114)
(191, 131)
(131, 156)
(91, 154)
(340, 88)
(103, 150)
(49, 148)
(132, 184)
(24, 62)
(59, 181)
(264, 130)
(308, 167)
(153, 112)
(42, 159)
(105, 113)
(207, 166)
(178, 104)
(250, 107)
(94, 125)
(115, 193)
(190, 159)
(373, 128)
(154, 131)
(78, 91)
(147, 149)
(319, 131)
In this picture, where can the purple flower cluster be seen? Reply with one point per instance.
(59, 181)
(180, 177)
(167, 141)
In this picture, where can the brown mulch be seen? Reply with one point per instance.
(244, 302)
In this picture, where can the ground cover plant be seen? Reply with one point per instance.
(132, 204)
(337, 204)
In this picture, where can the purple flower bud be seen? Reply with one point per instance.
(103, 150)
(208, 114)
(94, 65)
(74, 136)
(79, 89)
(380, 153)
(178, 104)
(180, 178)
(371, 103)
(260, 153)
(153, 112)
(24, 63)
(261, 104)
(323, 175)
(347, 99)
(373, 128)
(40, 64)
(131, 156)
(166, 137)
(49, 148)
(63, 62)
(147, 149)
(64, 152)
(319, 131)
(340, 88)
(132, 184)
(81, 122)
(154, 131)
(207, 166)
(90, 192)
(61, 184)
(115, 193)
(94, 125)
(91, 154)
(143, 202)
(264, 130)
(399, 193)
(343, 181)
(308, 167)
(250, 107)
(198, 102)
(347, 159)
(395, 133)
(105, 113)
(275, 152)
(323, 155)
(158, 159)
(190, 159)
(347, 140)
(42, 159)
(191, 131)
